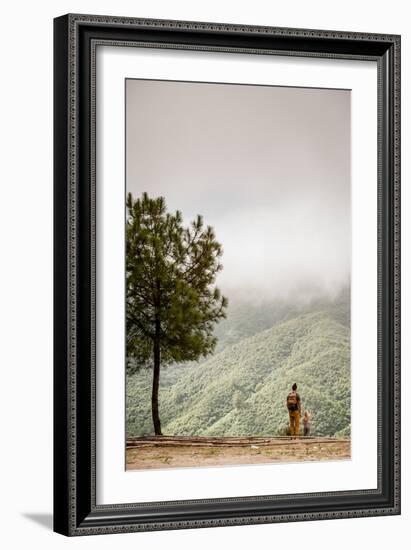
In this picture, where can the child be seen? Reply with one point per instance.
(307, 423)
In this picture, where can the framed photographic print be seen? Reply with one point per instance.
(227, 274)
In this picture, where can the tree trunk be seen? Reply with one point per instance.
(156, 381)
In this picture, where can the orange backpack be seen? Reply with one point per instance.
(292, 401)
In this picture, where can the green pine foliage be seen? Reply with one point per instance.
(171, 293)
(241, 389)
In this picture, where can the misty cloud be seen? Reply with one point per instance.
(267, 167)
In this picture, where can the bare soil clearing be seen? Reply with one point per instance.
(182, 452)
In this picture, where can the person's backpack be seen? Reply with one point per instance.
(292, 401)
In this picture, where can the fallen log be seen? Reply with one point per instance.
(198, 441)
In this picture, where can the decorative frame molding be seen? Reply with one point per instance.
(75, 41)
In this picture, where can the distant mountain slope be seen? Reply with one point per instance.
(246, 318)
(242, 389)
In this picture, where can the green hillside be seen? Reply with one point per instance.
(246, 319)
(241, 390)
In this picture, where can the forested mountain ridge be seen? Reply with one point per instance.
(246, 319)
(241, 389)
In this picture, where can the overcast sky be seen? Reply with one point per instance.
(268, 167)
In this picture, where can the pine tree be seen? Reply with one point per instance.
(172, 303)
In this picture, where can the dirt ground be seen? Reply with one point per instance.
(170, 452)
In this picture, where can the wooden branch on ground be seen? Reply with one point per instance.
(188, 441)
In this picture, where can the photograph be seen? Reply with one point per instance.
(237, 274)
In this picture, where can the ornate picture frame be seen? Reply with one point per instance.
(76, 40)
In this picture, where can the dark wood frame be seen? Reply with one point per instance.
(75, 40)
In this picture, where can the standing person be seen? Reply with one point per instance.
(307, 423)
(294, 410)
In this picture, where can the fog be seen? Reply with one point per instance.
(267, 167)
